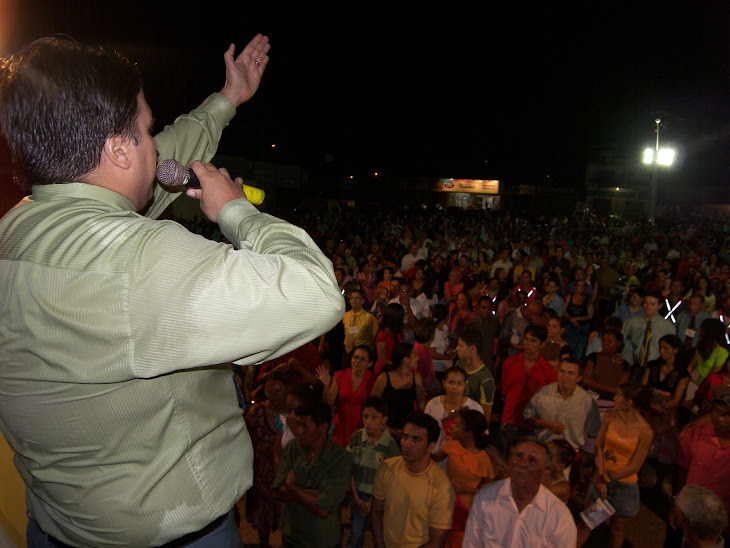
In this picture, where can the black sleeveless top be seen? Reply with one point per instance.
(401, 401)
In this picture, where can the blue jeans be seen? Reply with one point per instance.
(226, 535)
(359, 524)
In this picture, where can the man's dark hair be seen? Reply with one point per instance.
(472, 336)
(573, 361)
(537, 331)
(377, 403)
(357, 290)
(654, 294)
(59, 103)
(424, 420)
(317, 410)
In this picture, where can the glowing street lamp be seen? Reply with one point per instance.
(656, 157)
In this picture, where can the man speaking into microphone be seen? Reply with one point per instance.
(113, 325)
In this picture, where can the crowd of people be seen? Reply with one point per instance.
(492, 357)
(491, 381)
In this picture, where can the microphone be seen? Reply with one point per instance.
(173, 173)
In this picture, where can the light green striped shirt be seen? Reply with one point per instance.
(126, 431)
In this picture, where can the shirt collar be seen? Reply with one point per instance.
(384, 438)
(539, 501)
(65, 191)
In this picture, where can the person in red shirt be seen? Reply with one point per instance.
(522, 375)
(424, 332)
(704, 459)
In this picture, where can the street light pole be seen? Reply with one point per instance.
(656, 157)
(653, 184)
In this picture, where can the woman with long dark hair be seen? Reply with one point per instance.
(711, 351)
(401, 387)
(668, 379)
(390, 333)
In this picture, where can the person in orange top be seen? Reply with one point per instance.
(468, 467)
(621, 449)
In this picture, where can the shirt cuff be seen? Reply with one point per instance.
(232, 214)
(220, 108)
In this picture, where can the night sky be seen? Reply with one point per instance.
(519, 93)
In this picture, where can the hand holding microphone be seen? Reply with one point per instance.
(173, 173)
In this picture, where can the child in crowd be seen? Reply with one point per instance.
(468, 467)
(444, 408)
(563, 456)
(369, 446)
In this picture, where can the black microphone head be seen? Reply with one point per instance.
(172, 173)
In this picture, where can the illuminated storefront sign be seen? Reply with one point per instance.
(469, 186)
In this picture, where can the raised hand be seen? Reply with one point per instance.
(243, 73)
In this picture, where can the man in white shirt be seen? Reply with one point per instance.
(563, 409)
(503, 262)
(415, 252)
(520, 511)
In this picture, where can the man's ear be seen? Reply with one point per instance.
(117, 150)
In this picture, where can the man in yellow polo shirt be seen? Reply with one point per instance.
(413, 500)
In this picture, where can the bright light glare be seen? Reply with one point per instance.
(649, 156)
(665, 157)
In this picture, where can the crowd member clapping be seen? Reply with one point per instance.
(346, 390)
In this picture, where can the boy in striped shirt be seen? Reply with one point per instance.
(369, 446)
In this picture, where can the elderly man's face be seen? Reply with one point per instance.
(527, 465)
